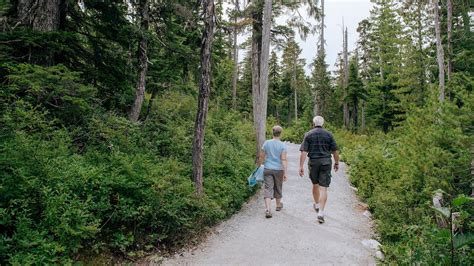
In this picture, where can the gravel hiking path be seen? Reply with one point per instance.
(293, 236)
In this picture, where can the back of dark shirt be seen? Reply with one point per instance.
(319, 143)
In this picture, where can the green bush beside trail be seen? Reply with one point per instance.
(398, 173)
(75, 179)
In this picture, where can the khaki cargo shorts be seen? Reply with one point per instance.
(273, 182)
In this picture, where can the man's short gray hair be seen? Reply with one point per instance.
(276, 130)
(318, 121)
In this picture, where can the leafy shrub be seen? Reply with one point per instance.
(69, 187)
(55, 89)
(295, 133)
(398, 173)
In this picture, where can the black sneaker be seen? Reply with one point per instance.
(268, 214)
(320, 219)
(315, 208)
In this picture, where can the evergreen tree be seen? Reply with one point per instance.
(320, 79)
(413, 89)
(293, 80)
(274, 99)
(321, 87)
(355, 93)
(244, 95)
(383, 105)
(144, 18)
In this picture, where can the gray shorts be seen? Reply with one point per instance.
(273, 182)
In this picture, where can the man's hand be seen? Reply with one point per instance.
(336, 160)
(285, 178)
(302, 159)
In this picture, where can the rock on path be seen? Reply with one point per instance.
(293, 236)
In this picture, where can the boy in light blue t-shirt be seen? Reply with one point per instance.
(273, 157)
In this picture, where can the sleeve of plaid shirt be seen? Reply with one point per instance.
(305, 145)
(332, 144)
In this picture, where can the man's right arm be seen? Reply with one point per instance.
(302, 159)
(304, 153)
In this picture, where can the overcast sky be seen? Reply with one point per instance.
(352, 11)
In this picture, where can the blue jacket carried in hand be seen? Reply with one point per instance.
(256, 176)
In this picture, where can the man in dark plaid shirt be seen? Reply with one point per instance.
(318, 145)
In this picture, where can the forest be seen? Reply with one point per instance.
(130, 127)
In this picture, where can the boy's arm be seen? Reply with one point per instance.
(284, 161)
(261, 158)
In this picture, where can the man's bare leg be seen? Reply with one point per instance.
(323, 198)
(316, 193)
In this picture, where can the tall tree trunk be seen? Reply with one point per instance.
(318, 104)
(235, 74)
(346, 81)
(321, 36)
(296, 106)
(204, 91)
(449, 31)
(316, 108)
(265, 57)
(422, 77)
(293, 84)
(439, 51)
(341, 82)
(472, 171)
(362, 122)
(256, 51)
(355, 114)
(143, 62)
(260, 58)
(288, 114)
(385, 123)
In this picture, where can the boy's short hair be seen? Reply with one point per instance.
(276, 130)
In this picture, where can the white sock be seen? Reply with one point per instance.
(316, 205)
(321, 213)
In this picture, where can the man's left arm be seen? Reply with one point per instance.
(303, 156)
(336, 160)
(335, 153)
(304, 153)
